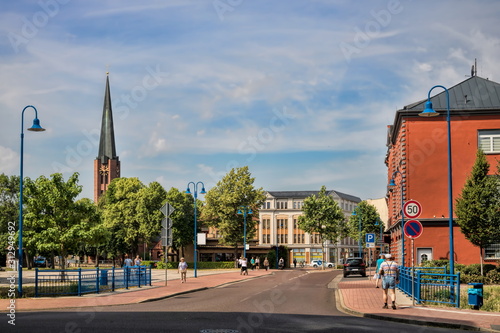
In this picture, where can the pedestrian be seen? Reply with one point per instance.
(376, 276)
(239, 262)
(127, 262)
(390, 277)
(244, 270)
(294, 262)
(182, 269)
(252, 263)
(266, 263)
(137, 261)
(257, 263)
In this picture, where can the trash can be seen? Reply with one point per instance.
(475, 294)
(103, 281)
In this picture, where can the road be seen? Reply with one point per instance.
(288, 301)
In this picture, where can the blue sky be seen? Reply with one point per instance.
(300, 91)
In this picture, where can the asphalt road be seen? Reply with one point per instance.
(288, 301)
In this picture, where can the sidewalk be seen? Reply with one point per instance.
(359, 296)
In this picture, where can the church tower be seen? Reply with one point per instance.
(107, 164)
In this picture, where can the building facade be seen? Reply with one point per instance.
(417, 161)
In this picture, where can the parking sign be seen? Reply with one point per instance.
(370, 238)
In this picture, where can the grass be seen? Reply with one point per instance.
(491, 298)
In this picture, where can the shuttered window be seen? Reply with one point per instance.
(489, 141)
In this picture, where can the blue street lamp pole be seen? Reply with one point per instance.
(429, 112)
(359, 239)
(244, 210)
(35, 128)
(195, 196)
(392, 183)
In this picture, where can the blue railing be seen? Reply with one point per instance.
(430, 284)
(86, 281)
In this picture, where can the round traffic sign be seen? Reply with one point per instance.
(412, 209)
(413, 229)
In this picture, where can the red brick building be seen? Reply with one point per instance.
(417, 159)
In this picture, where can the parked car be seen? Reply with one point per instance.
(40, 262)
(317, 263)
(354, 265)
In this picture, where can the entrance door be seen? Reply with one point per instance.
(424, 254)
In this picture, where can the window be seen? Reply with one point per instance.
(492, 252)
(297, 205)
(282, 204)
(489, 141)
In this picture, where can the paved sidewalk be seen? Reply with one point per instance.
(359, 296)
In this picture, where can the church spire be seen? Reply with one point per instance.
(107, 164)
(107, 149)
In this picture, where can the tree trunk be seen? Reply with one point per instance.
(481, 258)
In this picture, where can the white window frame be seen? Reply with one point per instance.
(488, 139)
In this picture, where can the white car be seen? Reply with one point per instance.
(317, 263)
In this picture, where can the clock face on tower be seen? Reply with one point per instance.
(104, 170)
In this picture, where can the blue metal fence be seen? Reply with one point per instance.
(86, 281)
(430, 284)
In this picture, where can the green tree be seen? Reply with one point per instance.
(182, 219)
(9, 209)
(367, 215)
(131, 213)
(222, 202)
(322, 215)
(55, 222)
(477, 208)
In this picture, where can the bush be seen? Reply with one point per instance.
(149, 263)
(493, 277)
(435, 263)
(199, 264)
(470, 278)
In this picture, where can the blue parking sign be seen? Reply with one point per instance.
(370, 238)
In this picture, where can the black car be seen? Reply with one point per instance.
(354, 265)
(40, 262)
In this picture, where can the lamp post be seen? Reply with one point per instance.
(429, 112)
(379, 223)
(392, 183)
(35, 128)
(195, 196)
(359, 239)
(244, 210)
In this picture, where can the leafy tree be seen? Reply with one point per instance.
(223, 201)
(477, 208)
(9, 208)
(131, 213)
(368, 215)
(55, 222)
(182, 218)
(322, 215)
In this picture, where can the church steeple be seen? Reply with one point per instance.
(107, 164)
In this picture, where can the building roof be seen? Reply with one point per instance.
(107, 149)
(305, 194)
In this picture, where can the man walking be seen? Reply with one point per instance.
(390, 277)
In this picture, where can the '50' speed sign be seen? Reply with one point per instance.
(412, 209)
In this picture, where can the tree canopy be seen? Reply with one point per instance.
(182, 218)
(222, 202)
(367, 216)
(322, 215)
(478, 206)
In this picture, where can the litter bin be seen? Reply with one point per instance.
(103, 281)
(475, 294)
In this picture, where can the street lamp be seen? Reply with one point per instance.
(393, 184)
(195, 195)
(35, 128)
(429, 112)
(244, 210)
(359, 239)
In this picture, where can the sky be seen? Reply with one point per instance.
(301, 92)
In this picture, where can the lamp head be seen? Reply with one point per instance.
(354, 213)
(392, 183)
(188, 191)
(249, 211)
(377, 222)
(36, 126)
(203, 190)
(239, 211)
(428, 111)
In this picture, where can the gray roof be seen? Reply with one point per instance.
(305, 194)
(473, 93)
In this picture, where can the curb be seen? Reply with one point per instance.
(342, 308)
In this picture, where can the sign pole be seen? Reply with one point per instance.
(166, 264)
(412, 273)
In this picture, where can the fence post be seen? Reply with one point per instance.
(97, 280)
(36, 282)
(418, 285)
(113, 279)
(458, 289)
(79, 281)
(139, 269)
(126, 275)
(150, 277)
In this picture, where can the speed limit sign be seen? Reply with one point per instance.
(412, 209)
